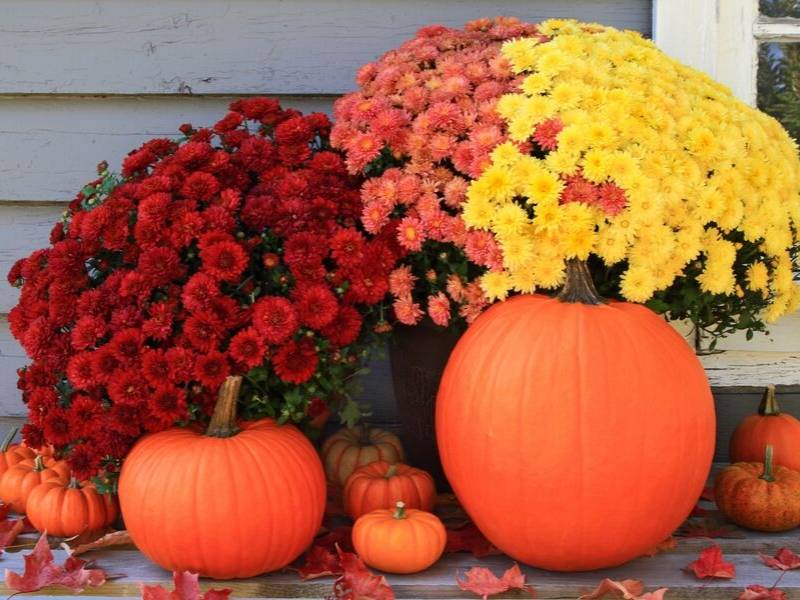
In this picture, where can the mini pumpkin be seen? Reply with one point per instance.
(11, 454)
(240, 500)
(19, 480)
(399, 540)
(769, 426)
(66, 510)
(381, 485)
(759, 496)
(350, 448)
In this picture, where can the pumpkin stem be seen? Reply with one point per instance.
(767, 475)
(391, 471)
(364, 439)
(769, 404)
(400, 511)
(38, 463)
(578, 285)
(223, 421)
(74, 483)
(7, 440)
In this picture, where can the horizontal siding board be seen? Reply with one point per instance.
(239, 46)
(50, 146)
(12, 357)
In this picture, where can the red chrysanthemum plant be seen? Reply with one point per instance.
(421, 126)
(236, 249)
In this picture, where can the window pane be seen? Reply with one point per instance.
(779, 8)
(779, 84)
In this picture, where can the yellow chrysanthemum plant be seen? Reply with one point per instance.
(644, 174)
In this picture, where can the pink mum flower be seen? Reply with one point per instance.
(439, 309)
(407, 311)
(612, 199)
(546, 133)
(410, 233)
(401, 281)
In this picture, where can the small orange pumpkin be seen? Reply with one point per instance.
(767, 427)
(759, 496)
(68, 510)
(349, 448)
(381, 484)
(399, 540)
(19, 480)
(11, 454)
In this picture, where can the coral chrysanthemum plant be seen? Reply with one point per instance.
(235, 250)
(421, 126)
(677, 194)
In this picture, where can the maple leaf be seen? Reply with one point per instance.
(784, 560)
(759, 592)
(4, 510)
(357, 582)
(9, 530)
(338, 536)
(187, 587)
(41, 571)
(711, 563)
(469, 539)
(320, 562)
(114, 538)
(628, 589)
(668, 544)
(482, 582)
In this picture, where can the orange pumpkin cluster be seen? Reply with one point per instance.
(43, 488)
(391, 502)
(761, 490)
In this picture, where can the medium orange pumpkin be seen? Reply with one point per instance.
(349, 448)
(11, 454)
(399, 540)
(66, 510)
(18, 481)
(576, 433)
(381, 485)
(759, 496)
(767, 427)
(235, 502)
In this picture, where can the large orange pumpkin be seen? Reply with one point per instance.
(381, 485)
(235, 502)
(576, 433)
(768, 427)
(20, 479)
(352, 447)
(66, 510)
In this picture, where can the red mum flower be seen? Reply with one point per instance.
(88, 330)
(56, 426)
(33, 435)
(612, 199)
(305, 248)
(248, 347)
(124, 419)
(168, 404)
(211, 369)
(128, 388)
(82, 414)
(295, 362)
(160, 266)
(347, 247)
(181, 364)
(199, 291)
(202, 332)
(155, 366)
(316, 305)
(104, 364)
(127, 344)
(80, 371)
(546, 133)
(224, 260)
(83, 461)
(159, 325)
(275, 318)
(345, 328)
(200, 186)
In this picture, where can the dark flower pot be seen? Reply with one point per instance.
(418, 356)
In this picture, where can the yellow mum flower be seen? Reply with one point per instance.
(548, 217)
(535, 84)
(757, 277)
(548, 272)
(496, 183)
(477, 212)
(510, 219)
(496, 285)
(520, 53)
(595, 165)
(505, 154)
(544, 187)
(637, 284)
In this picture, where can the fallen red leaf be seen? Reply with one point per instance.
(484, 583)
(41, 571)
(187, 587)
(628, 589)
(114, 538)
(708, 494)
(707, 528)
(469, 539)
(4, 510)
(338, 536)
(320, 562)
(357, 582)
(784, 560)
(711, 563)
(668, 544)
(9, 530)
(759, 592)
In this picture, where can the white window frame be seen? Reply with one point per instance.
(720, 37)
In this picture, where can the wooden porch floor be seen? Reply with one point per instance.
(663, 570)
